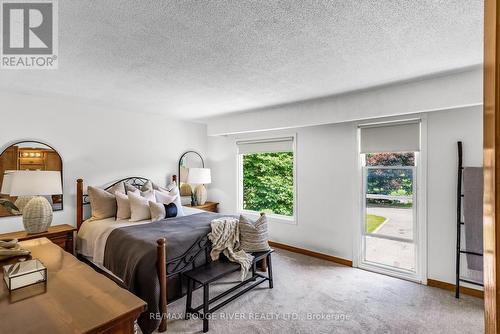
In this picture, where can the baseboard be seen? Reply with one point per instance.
(307, 252)
(451, 287)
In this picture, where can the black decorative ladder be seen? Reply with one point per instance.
(460, 223)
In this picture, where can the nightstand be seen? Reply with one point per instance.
(61, 235)
(208, 206)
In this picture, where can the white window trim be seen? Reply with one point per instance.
(421, 238)
(239, 182)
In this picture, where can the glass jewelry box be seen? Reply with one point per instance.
(23, 274)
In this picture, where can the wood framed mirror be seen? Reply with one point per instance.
(33, 156)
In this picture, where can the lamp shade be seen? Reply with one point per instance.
(7, 180)
(38, 183)
(199, 176)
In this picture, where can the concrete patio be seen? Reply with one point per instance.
(398, 224)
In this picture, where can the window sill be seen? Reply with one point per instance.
(272, 217)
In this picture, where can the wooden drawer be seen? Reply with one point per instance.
(63, 241)
(208, 206)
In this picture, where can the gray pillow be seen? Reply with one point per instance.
(119, 187)
(130, 188)
(102, 203)
(254, 235)
(148, 186)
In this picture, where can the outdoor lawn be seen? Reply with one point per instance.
(372, 222)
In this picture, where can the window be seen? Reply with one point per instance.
(267, 176)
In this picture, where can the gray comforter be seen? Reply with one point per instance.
(131, 254)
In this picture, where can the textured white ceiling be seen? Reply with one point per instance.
(195, 59)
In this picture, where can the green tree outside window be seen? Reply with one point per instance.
(268, 183)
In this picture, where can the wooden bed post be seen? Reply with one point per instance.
(162, 276)
(79, 203)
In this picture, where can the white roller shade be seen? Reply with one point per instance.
(390, 137)
(265, 146)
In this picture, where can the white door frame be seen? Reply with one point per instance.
(420, 234)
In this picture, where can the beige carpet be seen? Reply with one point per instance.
(316, 296)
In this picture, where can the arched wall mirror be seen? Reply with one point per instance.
(27, 156)
(189, 159)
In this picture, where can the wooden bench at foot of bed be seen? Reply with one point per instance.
(216, 270)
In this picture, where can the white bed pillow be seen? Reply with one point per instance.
(149, 195)
(157, 211)
(123, 206)
(164, 197)
(134, 191)
(172, 190)
(139, 208)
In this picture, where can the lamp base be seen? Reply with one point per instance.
(201, 194)
(37, 215)
(21, 202)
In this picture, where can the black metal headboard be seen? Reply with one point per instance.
(135, 181)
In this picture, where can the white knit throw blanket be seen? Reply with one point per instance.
(225, 238)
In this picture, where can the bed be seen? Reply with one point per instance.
(147, 258)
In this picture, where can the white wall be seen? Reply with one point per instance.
(444, 130)
(98, 143)
(327, 177)
(450, 90)
(320, 191)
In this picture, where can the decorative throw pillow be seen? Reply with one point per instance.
(130, 188)
(172, 190)
(170, 210)
(164, 197)
(157, 211)
(149, 195)
(134, 191)
(148, 186)
(139, 208)
(123, 206)
(254, 235)
(160, 211)
(102, 203)
(120, 187)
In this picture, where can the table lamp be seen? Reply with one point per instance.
(199, 177)
(37, 213)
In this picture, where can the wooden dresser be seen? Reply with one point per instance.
(76, 300)
(208, 206)
(61, 235)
